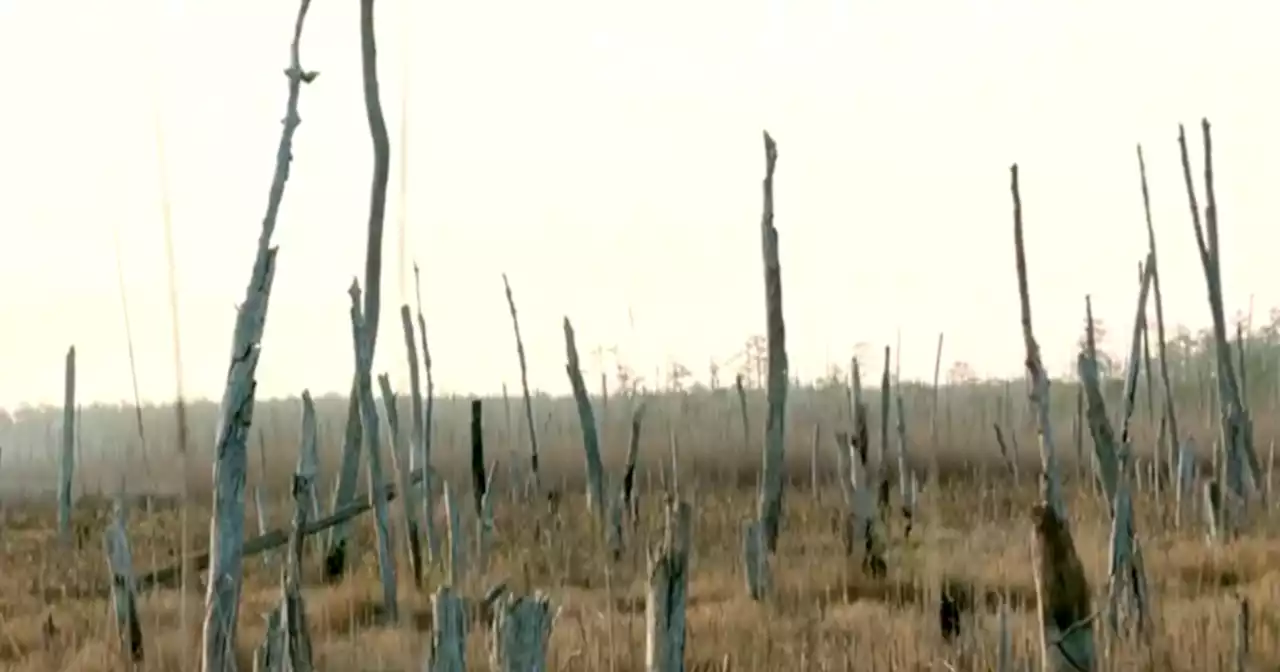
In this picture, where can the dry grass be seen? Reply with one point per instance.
(974, 531)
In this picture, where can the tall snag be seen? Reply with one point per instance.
(771, 481)
(587, 418)
(363, 346)
(1237, 428)
(1066, 634)
(67, 461)
(336, 560)
(1153, 264)
(226, 534)
(524, 386)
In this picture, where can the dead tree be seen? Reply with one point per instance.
(479, 483)
(67, 463)
(124, 598)
(521, 632)
(428, 420)
(418, 440)
(668, 590)
(1066, 636)
(1237, 428)
(524, 387)
(399, 458)
(772, 479)
(587, 418)
(236, 410)
(363, 347)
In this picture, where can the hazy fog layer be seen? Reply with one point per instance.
(608, 157)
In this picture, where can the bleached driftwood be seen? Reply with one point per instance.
(236, 409)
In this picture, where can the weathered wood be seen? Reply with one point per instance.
(521, 632)
(772, 479)
(843, 474)
(524, 386)
(882, 464)
(1244, 625)
(933, 409)
(124, 599)
(906, 477)
(742, 409)
(448, 651)
(457, 568)
(399, 460)
(67, 461)
(345, 489)
(755, 560)
(633, 454)
(236, 410)
(363, 346)
(293, 613)
(260, 513)
(279, 537)
(478, 481)
(587, 419)
(668, 589)
(308, 467)
(267, 657)
(1039, 388)
(484, 519)
(1066, 638)
(418, 445)
(428, 420)
(1010, 460)
(1236, 426)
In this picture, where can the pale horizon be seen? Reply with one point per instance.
(609, 159)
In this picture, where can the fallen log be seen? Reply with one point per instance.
(168, 576)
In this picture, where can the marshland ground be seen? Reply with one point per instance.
(972, 532)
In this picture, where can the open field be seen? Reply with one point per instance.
(972, 530)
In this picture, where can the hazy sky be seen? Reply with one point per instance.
(608, 157)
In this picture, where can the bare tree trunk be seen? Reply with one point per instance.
(236, 410)
(772, 479)
(524, 387)
(67, 463)
(399, 456)
(586, 417)
(1066, 636)
(362, 344)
